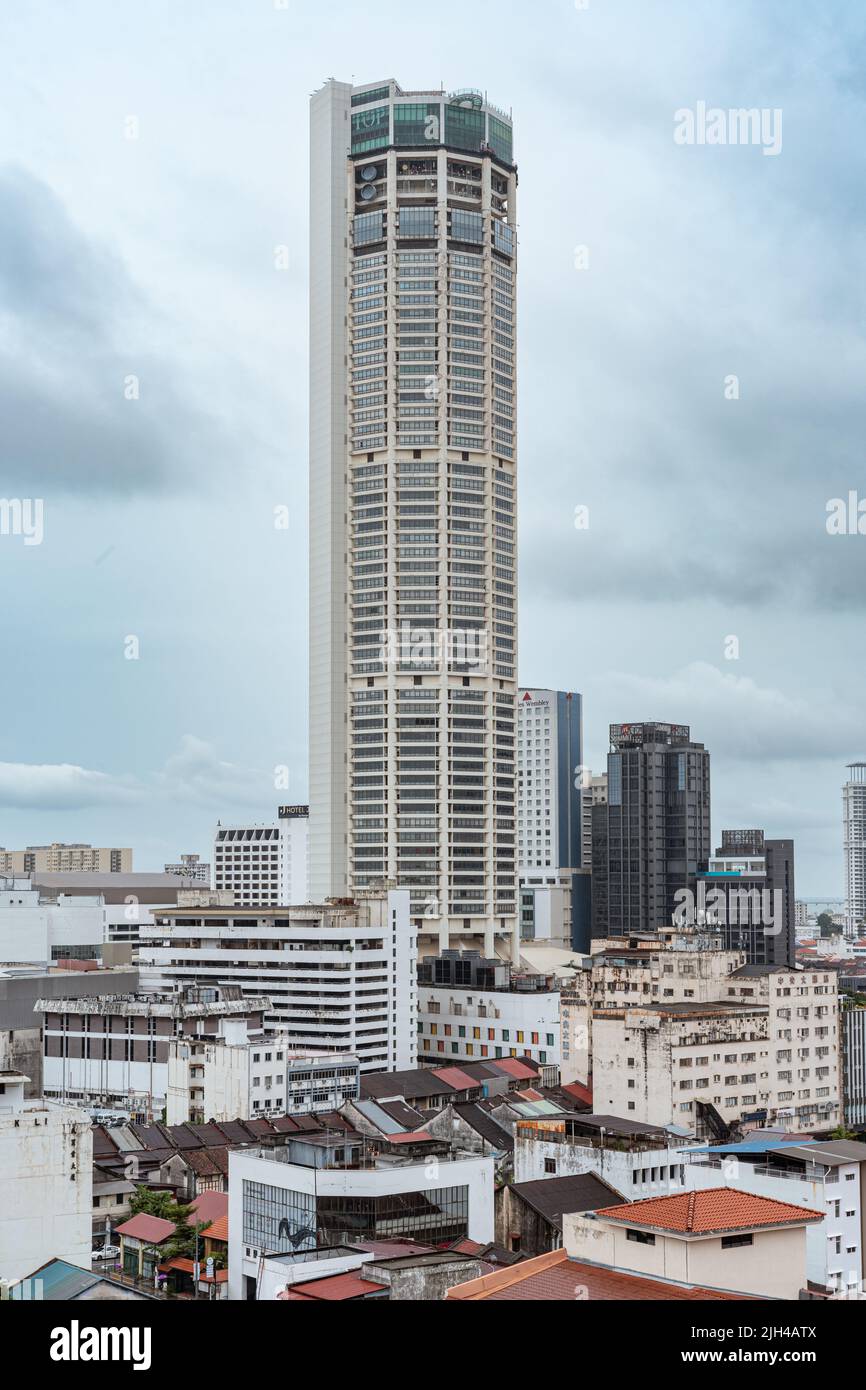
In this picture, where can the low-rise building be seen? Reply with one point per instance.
(529, 1214)
(827, 1176)
(635, 1158)
(111, 1052)
(328, 1190)
(720, 1238)
(470, 1008)
(242, 1073)
(46, 1155)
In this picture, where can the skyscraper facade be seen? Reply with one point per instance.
(854, 840)
(749, 896)
(413, 633)
(653, 837)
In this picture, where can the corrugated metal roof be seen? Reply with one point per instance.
(378, 1117)
(455, 1078)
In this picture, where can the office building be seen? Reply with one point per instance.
(340, 975)
(412, 506)
(748, 896)
(551, 818)
(854, 844)
(328, 1189)
(264, 865)
(652, 838)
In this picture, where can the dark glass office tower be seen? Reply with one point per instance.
(653, 837)
(749, 896)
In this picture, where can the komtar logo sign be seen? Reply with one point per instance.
(77, 1343)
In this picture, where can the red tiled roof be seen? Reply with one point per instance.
(517, 1069)
(528, 1094)
(579, 1092)
(554, 1277)
(412, 1137)
(153, 1229)
(712, 1209)
(334, 1288)
(219, 1230)
(209, 1206)
(453, 1076)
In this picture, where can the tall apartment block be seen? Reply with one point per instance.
(64, 859)
(653, 837)
(190, 866)
(749, 896)
(554, 896)
(264, 865)
(412, 506)
(854, 833)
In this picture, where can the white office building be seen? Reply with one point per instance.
(264, 865)
(46, 1170)
(41, 928)
(412, 506)
(340, 975)
(314, 1193)
(854, 842)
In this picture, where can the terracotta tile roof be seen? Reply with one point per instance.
(335, 1288)
(153, 1229)
(218, 1230)
(555, 1277)
(712, 1209)
(583, 1093)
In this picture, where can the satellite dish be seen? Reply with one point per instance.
(368, 192)
(369, 172)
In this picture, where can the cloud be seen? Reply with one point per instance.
(738, 719)
(61, 787)
(74, 330)
(194, 774)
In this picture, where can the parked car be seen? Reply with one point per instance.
(106, 1252)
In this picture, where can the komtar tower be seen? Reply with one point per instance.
(413, 450)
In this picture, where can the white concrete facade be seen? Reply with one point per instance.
(38, 929)
(46, 1159)
(412, 506)
(340, 976)
(472, 1025)
(263, 865)
(241, 1076)
(301, 1187)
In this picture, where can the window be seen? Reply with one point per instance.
(417, 222)
(550, 1165)
(640, 1237)
(467, 226)
(369, 226)
(733, 1242)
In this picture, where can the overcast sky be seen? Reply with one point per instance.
(152, 257)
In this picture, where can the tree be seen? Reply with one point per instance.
(162, 1204)
(826, 924)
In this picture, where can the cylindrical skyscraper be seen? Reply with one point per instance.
(413, 626)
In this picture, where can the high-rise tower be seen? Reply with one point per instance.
(413, 631)
(854, 843)
(653, 837)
